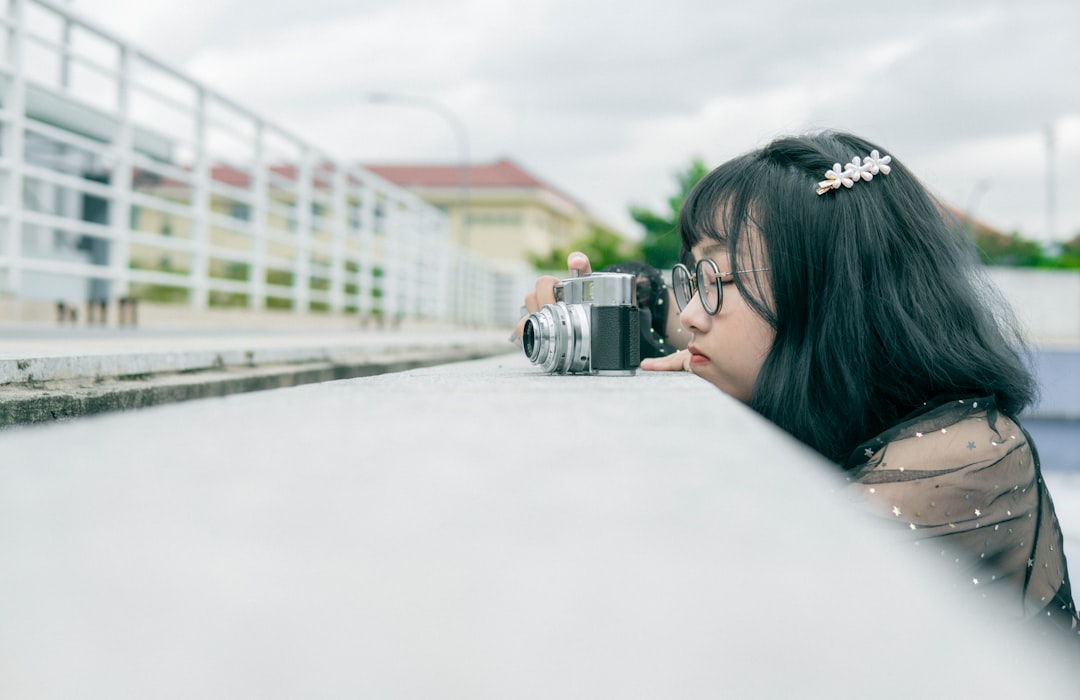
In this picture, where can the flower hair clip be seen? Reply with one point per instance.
(857, 169)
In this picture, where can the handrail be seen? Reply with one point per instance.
(156, 119)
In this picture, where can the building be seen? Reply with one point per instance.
(498, 210)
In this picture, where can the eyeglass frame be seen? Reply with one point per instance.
(692, 278)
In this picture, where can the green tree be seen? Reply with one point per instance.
(1011, 250)
(603, 246)
(661, 245)
(1069, 257)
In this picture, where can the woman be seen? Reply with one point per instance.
(839, 302)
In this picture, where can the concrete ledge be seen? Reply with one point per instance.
(44, 378)
(472, 530)
(59, 400)
(136, 353)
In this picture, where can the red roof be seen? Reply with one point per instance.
(501, 173)
(225, 174)
(239, 178)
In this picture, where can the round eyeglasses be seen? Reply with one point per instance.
(705, 281)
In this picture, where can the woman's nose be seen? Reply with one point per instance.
(693, 317)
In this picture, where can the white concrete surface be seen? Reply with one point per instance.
(62, 355)
(477, 530)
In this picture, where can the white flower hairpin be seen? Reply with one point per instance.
(857, 169)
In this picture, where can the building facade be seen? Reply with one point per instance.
(498, 210)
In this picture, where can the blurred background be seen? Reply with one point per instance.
(608, 102)
(283, 156)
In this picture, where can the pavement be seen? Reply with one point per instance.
(52, 372)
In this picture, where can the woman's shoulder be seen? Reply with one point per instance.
(955, 467)
(966, 475)
(941, 437)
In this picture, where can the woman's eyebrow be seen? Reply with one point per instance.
(708, 250)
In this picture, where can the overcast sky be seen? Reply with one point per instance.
(607, 99)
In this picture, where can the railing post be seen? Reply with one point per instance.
(14, 147)
(65, 58)
(120, 183)
(366, 273)
(200, 267)
(441, 267)
(424, 267)
(408, 292)
(391, 258)
(302, 263)
(260, 230)
(339, 225)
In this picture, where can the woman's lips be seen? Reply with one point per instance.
(696, 357)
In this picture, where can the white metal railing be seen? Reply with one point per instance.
(121, 176)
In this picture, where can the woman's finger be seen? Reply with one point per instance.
(676, 362)
(544, 294)
(579, 262)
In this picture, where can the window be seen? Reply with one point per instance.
(494, 218)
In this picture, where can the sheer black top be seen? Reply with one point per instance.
(965, 479)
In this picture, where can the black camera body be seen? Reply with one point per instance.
(592, 328)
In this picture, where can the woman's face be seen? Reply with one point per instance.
(729, 348)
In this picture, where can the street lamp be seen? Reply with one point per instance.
(1051, 186)
(462, 137)
(980, 187)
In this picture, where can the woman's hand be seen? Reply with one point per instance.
(676, 362)
(545, 288)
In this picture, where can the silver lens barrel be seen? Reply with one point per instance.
(557, 338)
(538, 337)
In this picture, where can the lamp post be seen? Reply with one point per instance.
(460, 295)
(1051, 187)
(980, 187)
(460, 135)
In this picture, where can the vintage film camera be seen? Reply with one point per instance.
(592, 328)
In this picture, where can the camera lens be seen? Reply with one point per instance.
(542, 340)
(539, 337)
(528, 339)
(557, 338)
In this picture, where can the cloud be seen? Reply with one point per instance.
(607, 98)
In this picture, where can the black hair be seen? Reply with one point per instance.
(652, 300)
(877, 300)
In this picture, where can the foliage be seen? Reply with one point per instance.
(1006, 250)
(1013, 250)
(1069, 257)
(603, 246)
(160, 293)
(283, 278)
(231, 271)
(228, 299)
(661, 245)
